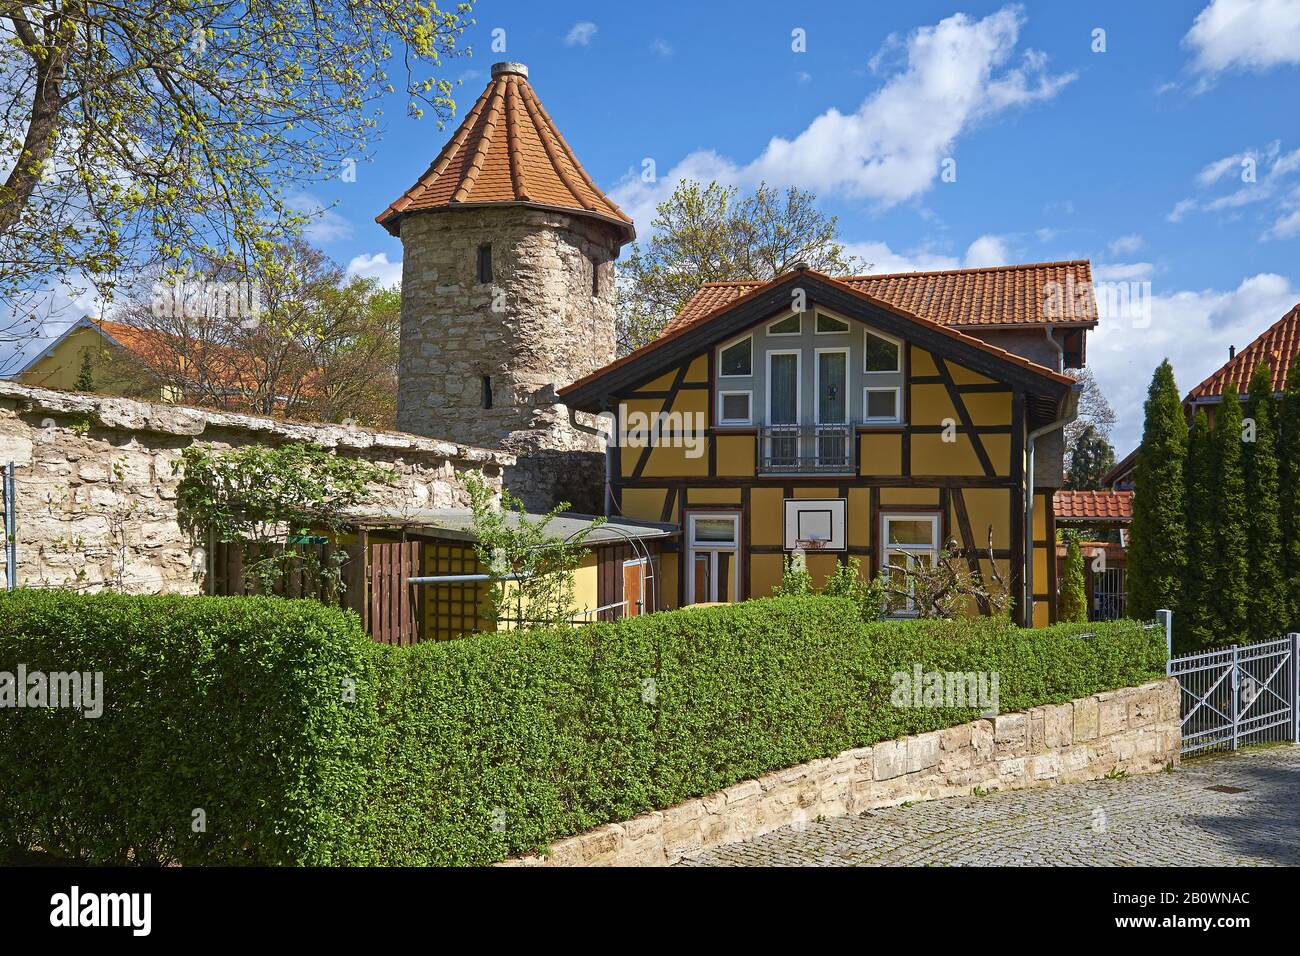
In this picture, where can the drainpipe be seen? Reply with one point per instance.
(11, 528)
(1071, 410)
(1060, 349)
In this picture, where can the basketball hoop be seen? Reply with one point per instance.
(810, 544)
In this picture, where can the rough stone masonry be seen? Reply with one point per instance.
(96, 488)
(1132, 729)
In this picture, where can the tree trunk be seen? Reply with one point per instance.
(42, 124)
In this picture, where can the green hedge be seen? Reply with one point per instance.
(467, 751)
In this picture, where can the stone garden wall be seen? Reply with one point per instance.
(1134, 730)
(97, 491)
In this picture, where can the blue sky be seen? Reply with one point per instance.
(1132, 156)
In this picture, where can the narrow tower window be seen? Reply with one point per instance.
(486, 391)
(595, 278)
(485, 263)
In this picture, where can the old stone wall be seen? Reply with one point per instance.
(1134, 729)
(96, 502)
(539, 325)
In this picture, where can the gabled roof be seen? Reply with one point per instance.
(1093, 505)
(1279, 346)
(773, 297)
(507, 151)
(1122, 467)
(999, 297)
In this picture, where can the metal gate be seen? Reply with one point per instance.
(1240, 695)
(1107, 594)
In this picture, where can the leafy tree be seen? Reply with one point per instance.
(1230, 578)
(1289, 474)
(1094, 411)
(1266, 598)
(1196, 625)
(179, 129)
(320, 346)
(713, 234)
(1073, 606)
(1091, 457)
(533, 570)
(1157, 535)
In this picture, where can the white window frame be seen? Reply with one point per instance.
(817, 384)
(748, 419)
(867, 419)
(785, 318)
(888, 338)
(798, 384)
(713, 548)
(848, 327)
(909, 550)
(726, 345)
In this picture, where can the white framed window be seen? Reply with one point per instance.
(881, 354)
(829, 325)
(882, 404)
(784, 402)
(735, 408)
(736, 359)
(790, 325)
(712, 555)
(819, 520)
(908, 540)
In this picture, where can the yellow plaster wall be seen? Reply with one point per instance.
(735, 455)
(880, 454)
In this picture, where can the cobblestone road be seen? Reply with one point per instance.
(1171, 819)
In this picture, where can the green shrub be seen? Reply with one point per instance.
(229, 706)
(467, 751)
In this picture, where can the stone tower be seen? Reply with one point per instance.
(508, 293)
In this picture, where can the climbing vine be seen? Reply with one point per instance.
(270, 495)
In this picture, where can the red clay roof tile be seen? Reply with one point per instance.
(507, 150)
(1279, 346)
(1093, 505)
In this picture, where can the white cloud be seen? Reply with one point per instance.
(1193, 330)
(580, 34)
(987, 251)
(324, 225)
(1245, 35)
(1125, 245)
(660, 47)
(1258, 176)
(376, 266)
(1122, 271)
(958, 73)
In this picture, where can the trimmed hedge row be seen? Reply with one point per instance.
(467, 751)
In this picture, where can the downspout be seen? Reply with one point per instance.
(1071, 410)
(1060, 349)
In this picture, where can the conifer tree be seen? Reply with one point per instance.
(1157, 536)
(1231, 573)
(1073, 607)
(1265, 598)
(1196, 624)
(1288, 453)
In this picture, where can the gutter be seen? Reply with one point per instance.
(1071, 410)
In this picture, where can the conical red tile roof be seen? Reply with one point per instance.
(507, 150)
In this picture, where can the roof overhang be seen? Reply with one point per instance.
(595, 392)
(391, 219)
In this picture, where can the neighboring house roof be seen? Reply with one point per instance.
(1093, 505)
(507, 151)
(1122, 468)
(767, 299)
(1279, 346)
(1000, 297)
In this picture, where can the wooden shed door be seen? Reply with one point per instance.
(633, 588)
(394, 611)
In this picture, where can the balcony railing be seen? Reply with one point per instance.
(806, 449)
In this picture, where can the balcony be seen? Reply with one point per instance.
(806, 449)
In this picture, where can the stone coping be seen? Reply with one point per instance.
(134, 415)
(1131, 730)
